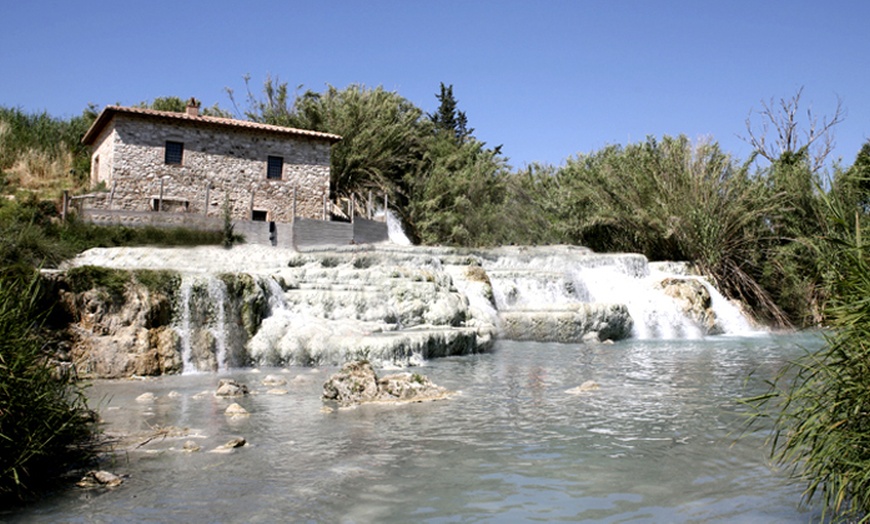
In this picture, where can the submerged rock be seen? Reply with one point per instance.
(356, 383)
(191, 446)
(589, 385)
(273, 380)
(100, 478)
(237, 442)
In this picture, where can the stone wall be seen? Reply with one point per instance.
(219, 164)
(301, 233)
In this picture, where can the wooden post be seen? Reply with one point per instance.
(251, 206)
(386, 206)
(369, 206)
(65, 208)
(352, 208)
(112, 194)
(160, 199)
(207, 195)
(294, 204)
(325, 198)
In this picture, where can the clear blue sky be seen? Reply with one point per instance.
(547, 79)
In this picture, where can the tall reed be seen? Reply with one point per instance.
(46, 428)
(820, 403)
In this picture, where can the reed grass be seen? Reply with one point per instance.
(820, 403)
(46, 428)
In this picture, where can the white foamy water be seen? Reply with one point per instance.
(396, 305)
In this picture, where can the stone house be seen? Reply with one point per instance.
(145, 160)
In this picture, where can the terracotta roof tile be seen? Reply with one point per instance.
(107, 114)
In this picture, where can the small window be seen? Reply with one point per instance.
(259, 215)
(174, 152)
(275, 167)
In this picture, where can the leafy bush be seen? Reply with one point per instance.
(45, 426)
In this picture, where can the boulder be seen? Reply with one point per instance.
(693, 298)
(235, 410)
(356, 383)
(570, 324)
(273, 380)
(100, 478)
(409, 387)
(228, 387)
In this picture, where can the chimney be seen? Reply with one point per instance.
(193, 107)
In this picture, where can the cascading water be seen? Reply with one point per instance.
(183, 326)
(399, 306)
(217, 293)
(561, 278)
(395, 231)
(201, 323)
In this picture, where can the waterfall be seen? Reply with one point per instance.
(183, 326)
(395, 231)
(217, 294)
(398, 306)
(201, 310)
(655, 315)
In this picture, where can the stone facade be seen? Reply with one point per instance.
(222, 160)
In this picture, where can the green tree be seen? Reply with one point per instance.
(175, 104)
(458, 195)
(383, 138)
(447, 119)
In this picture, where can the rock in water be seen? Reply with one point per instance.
(191, 446)
(695, 301)
(589, 385)
(235, 410)
(409, 387)
(228, 387)
(146, 397)
(100, 478)
(356, 383)
(237, 442)
(273, 380)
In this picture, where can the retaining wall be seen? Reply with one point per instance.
(299, 234)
